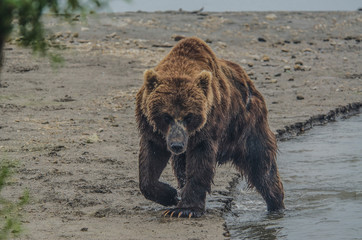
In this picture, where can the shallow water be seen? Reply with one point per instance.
(322, 176)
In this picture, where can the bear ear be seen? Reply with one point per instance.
(151, 80)
(203, 81)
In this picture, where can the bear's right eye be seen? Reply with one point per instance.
(167, 118)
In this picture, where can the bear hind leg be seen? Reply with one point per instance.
(261, 170)
(270, 186)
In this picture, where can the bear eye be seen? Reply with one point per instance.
(167, 118)
(188, 118)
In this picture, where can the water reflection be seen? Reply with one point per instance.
(322, 177)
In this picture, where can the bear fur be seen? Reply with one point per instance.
(198, 111)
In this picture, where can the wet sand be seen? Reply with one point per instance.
(73, 130)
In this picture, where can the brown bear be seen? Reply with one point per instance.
(199, 110)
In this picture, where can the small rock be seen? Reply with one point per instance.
(299, 63)
(85, 229)
(75, 35)
(273, 80)
(83, 41)
(260, 39)
(286, 68)
(93, 138)
(66, 98)
(298, 67)
(208, 40)
(265, 58)
(291, 79)
(300, 97)
(285, 50)
(177, 37)
(277, 75)
(222, 44)
(83, 29)
(271, 17)
(76, 18)
(58, 35)
(250, 64)
(112, 35)
(251, 73)
(227, 234)
(307, 50)
(4, 84)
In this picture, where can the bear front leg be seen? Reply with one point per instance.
(152, 161)
(179, 169)
(200, 165)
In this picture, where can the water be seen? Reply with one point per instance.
(322, 175)
(235, 5)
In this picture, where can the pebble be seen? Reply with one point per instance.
(271, 17)
(250, 64)
(291, 79)
(260, 39)
(286, 68)
(83, 41)
(285, 50)
(298, 67)
(277, 75)
(112, 35)
(83, 29)
(265, 58)
(177, 37)
(58, 35)
(300, 97)
(251, 73)
(222, 44)
(307, 50)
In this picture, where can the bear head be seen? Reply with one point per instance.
(177, 107)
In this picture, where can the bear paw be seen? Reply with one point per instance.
(183, 212)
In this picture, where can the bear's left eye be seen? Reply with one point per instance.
(167, 118)
(188, 118)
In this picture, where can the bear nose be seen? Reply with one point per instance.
(177, 147)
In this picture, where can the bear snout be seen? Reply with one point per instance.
(177, 138)
(177, 147)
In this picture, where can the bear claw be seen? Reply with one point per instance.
(182, 212)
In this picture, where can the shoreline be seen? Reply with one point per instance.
(73, 131)
(342, 112)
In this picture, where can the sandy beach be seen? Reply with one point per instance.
(72, 129)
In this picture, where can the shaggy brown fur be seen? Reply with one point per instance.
(199, 110)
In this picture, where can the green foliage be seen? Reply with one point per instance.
(10, 218)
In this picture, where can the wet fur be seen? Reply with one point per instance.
(231, 125)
